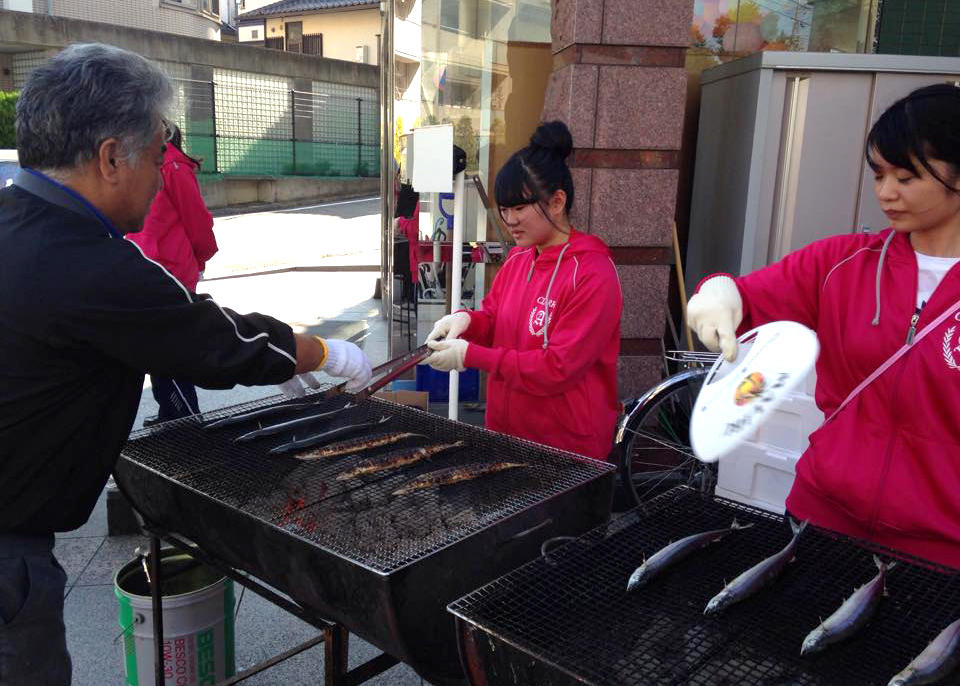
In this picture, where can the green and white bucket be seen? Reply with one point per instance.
(198, 629)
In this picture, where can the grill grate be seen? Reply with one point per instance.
(359, 518)
(571, 609)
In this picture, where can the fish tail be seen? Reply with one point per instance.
(738, 525)
(798, 527)
(884, 566)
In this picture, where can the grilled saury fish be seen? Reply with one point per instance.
(676, 551)
(937, 661)
(356, 445)
(452, 475)
(758, 576)
(853, 614)
(396, 459)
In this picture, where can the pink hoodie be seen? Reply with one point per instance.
(178, 231)
(887, 467)
(552, 368)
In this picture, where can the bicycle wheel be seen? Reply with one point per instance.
(654, 440)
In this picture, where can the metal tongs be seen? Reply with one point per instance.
(383, 374)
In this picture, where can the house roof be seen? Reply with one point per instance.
(303, 6)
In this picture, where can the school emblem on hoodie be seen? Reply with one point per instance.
(538, 316)
(949, 349)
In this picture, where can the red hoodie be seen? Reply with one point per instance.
(553, 384)
(887, 467)
(178, 231)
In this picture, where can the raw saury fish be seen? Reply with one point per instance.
(396, 459)
(937, 661)
(260, 413)
(325, 437)
(452, 475)
(852, 615)
(676, 551)
(356, 445)
(758, 576)
(291, 424)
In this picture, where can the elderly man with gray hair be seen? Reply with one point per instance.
(83, 314)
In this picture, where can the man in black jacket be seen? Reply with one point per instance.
(83, 314)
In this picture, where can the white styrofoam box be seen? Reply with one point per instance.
(758, 475)
(809, 384)
(789, 426)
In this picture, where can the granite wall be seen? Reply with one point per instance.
(619, 83)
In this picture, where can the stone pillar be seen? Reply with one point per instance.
(619, 83)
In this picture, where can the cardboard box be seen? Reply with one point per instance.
(418, 399)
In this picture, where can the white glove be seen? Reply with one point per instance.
(345, 360)
(449, 327)
(715, 312)
(447, 355)
(292, 388)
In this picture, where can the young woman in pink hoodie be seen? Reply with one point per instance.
(548, 333)
(178, 235)
(885, 465)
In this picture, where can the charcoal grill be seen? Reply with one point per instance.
(383, 566)
(567, 619)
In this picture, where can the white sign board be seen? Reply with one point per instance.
(430, 159)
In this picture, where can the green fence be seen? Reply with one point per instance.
(277, 132)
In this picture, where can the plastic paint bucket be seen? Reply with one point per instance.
(198, 628)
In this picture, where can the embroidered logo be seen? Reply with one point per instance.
(949, 349)
(538, 316)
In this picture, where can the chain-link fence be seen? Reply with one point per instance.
(258, 128)
(256, 124)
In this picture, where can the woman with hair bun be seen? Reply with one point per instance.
(548, 333)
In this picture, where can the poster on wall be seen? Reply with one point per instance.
(725, 27)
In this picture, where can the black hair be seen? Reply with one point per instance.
(536, 172)
(920, 126)
(176, 140)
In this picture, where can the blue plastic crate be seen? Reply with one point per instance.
(438, 384)
(404, 385)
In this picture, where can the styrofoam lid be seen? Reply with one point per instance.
(737, 397)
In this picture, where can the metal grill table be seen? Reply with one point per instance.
(383, 566)
(567, 618)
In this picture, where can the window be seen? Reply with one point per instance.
(450, 14)
(255, 34)
(210, 6)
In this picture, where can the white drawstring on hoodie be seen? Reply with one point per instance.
(546, 318)
(883, 255)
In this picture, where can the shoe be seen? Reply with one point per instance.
(150, 421)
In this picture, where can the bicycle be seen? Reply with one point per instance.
(653, 437)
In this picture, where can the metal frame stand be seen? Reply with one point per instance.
(335, 637)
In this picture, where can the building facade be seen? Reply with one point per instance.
(338, 29)
(190, 18)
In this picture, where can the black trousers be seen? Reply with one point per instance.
(33, 642)
(176, 398)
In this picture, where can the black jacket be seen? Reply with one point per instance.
(83, 314)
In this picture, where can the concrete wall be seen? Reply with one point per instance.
(342, 31)
(37, 32)
(233, 191)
